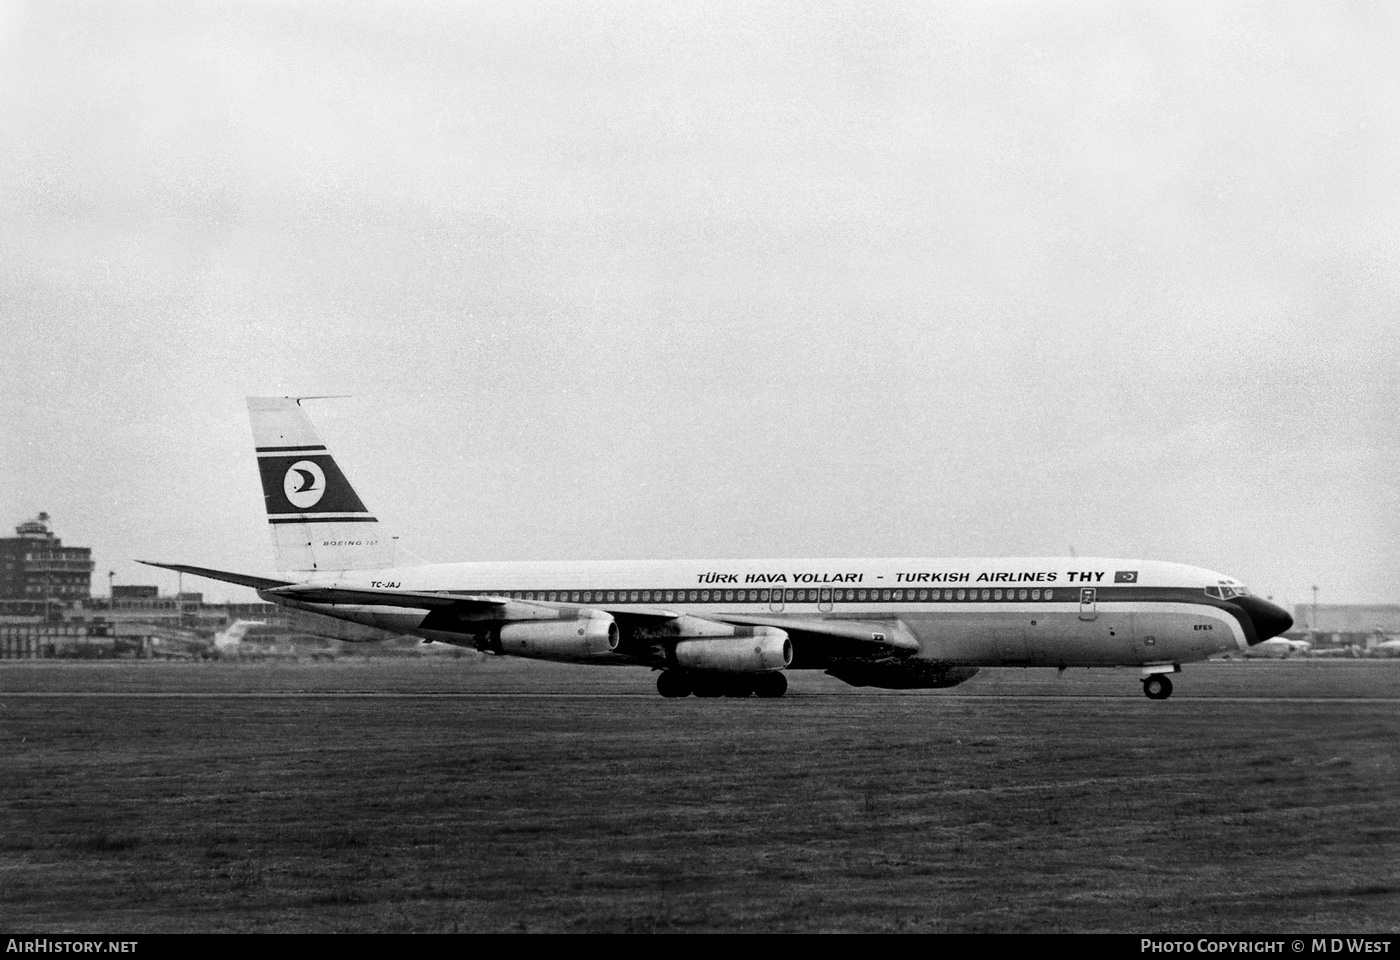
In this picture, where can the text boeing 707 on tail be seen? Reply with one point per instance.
(734, 627)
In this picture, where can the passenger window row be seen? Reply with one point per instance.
(794, 595)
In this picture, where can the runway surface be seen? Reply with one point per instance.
(504, 796)
(537, 695)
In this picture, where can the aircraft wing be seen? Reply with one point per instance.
(891, 634)
(242, 579)
(865, 635)
(880, 635)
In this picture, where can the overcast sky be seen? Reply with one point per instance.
(615, 280)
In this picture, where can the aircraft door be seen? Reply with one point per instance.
(1088, 603)
(775, 604)
(1142, 642)
(824, 600)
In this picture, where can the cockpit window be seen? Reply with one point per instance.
(1227, 591)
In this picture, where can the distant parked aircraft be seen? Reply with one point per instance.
(1379, 647)
(1334, 652)
(733, 627)
(228, 640)
(1279, 648)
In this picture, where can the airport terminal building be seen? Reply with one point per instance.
(47, 609)
(1343, 624)
(36, 570)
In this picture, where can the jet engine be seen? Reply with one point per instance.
(765, 650)
(590, 637)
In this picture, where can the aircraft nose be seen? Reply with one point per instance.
(1269, 618)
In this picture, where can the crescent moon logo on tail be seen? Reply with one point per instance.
(304, 484)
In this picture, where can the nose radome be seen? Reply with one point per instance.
(1269, 619)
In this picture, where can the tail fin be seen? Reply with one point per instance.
(318, 521)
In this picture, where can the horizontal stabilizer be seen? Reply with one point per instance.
(242, 579)
(311, 593)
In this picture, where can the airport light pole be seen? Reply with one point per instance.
(1314, 616)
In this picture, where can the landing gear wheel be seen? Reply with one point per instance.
(708, 686)
(770, 685)
(740, 687)
(1157, 687)
(673, 683)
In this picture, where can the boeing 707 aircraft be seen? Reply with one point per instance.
(734, 627)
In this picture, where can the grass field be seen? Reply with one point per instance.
(502, 795)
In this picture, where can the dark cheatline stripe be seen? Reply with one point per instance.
(288, 449)
(315, 519)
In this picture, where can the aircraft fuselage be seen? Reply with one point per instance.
(977, 612)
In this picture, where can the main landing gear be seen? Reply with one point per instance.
(1157, 687)
(682, 683)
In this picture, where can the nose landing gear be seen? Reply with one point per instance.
(1157, 687)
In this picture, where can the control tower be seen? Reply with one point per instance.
(37, 567)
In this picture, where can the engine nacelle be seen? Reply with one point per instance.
(765, 649)
(590, 637)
